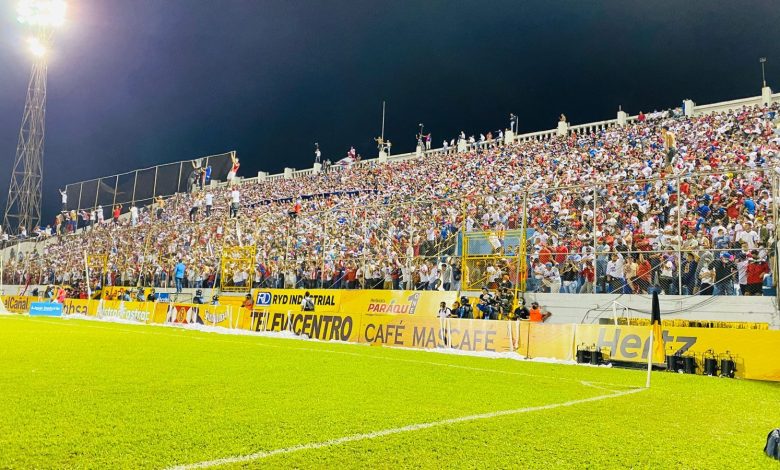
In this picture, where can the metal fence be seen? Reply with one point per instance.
(140, 187)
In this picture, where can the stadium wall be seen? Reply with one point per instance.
(752, 350)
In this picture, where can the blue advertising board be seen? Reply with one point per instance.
(45, 309)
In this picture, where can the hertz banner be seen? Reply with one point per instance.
(420, 303)
(754, 351)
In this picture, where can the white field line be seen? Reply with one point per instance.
(388, 432)
(185, 334)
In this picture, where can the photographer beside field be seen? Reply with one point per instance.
(307, 303)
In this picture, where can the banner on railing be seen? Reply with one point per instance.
(419, 303)
(325, 300)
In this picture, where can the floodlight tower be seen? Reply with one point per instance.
(23, 207)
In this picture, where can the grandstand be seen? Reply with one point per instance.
(588, 192)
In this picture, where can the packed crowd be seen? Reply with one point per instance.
(682, 205)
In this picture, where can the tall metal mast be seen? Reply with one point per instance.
(23, 208)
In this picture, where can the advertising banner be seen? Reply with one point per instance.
(138, 312)
(45, 309)
(419, 303)
(431, 333)
(754, 351)
(323, 326)
(542, 340)
(80, 307)
(17, 303)
(325, 300)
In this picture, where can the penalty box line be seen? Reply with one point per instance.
(392, 431)
(138, 329)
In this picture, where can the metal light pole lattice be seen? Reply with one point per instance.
(23, 207)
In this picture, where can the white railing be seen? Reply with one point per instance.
(587, 128)
(539, 135)
(592, 127)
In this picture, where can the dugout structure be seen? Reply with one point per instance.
(504, 251)
(237, 259)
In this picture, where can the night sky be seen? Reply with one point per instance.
(134, 83)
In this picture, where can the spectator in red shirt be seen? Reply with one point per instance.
(544, 254)
(589, 276)
(756, 269)
(561, 252)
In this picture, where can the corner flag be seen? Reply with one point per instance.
(656, 347)
(658, 353)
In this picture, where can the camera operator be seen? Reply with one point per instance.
(521, 312)
(488, 305)
(465, 310)
(505, 300)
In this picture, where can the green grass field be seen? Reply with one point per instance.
(82, 394)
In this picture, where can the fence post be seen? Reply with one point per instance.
(595, 240)
(679, 240)
(135, 181)
(178, 181)
(97, 193)
(78, 204)
(775, 266)
(116, 188)
(154, 186)
(523, 246)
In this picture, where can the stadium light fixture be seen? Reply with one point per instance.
(42, 13)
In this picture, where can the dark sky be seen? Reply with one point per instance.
(134, 83)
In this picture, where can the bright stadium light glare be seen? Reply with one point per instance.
(42, 13)
(37, 47)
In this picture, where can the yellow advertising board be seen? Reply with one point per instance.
(325, 326)
(544, 340)
(18, 303)
(79, 307)
(431, 332)
(111, 292)
(754, 351)
(282, 300)
(139, 312)
(223, 316)
(419, 303)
